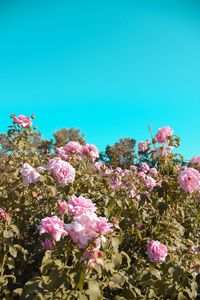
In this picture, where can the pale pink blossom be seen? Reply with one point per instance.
(47, 245)
(29, 174)
(90, 151)
(54, 226)
(88, 228)
(163, 134)
(150, 182)
(73, 147)
(103, 226)
(79, 205)
(141, 174)
(62, 207)
(22, 121)
(144, 167)
(62, 153)
(62, 171)
(115, 182)
(189, 180)
(156, 251)
(153, 171)
(82, 229)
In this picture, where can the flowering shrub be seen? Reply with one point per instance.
(76, 226)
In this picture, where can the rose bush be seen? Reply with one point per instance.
(75, 227)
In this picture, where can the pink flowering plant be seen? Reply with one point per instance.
(77, 223)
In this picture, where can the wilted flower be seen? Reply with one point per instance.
(143, 146)
(29, 174)
(162, 151)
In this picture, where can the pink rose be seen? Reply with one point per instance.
(163, 134)
(144, 167)
(79, 205)
(115, 182)
(22, 121)
(73, 147)
(156, 251)
(62, 153)
(62, 207)
(47, 245)
(54, 226)
(62, 171)
(189, 180)
(102, 226)
(153, 171)
(90, 151)
(141, 174)
(29, 174)
(150, 182)
(82, 229)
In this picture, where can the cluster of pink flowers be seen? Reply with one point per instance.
(189, 180)
(30, 174)
(149, 181)
(62, 171)
(53, 226)
(4, 215)
(156, 251)
(163, 135)
(143, 146)
(22, 121)
(86, 226)
(74, 148)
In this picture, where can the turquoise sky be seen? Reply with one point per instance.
(110, 68)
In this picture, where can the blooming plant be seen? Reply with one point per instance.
(77, 226)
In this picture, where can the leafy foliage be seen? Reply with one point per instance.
(138, 213)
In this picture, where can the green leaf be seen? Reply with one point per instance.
(93, 290)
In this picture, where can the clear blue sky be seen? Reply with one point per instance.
(110, 68)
